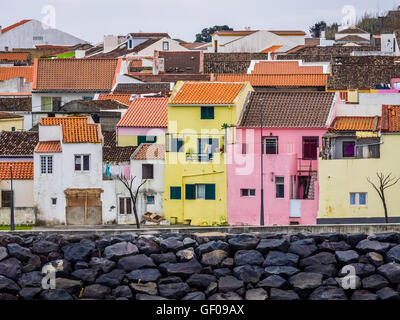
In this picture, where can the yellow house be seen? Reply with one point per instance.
(201, 118)
(356, 149)
(11, 122)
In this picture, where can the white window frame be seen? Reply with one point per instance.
(81, 164)
(248, 194)
(357, 199)
(165, 46)
(46, 166)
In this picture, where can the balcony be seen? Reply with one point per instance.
(200, 157)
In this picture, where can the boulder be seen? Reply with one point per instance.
(44, 247)
(144, 275)
(7, 285)
(80, 251)
(196, 295)
(102, 264)
(96, 291)
(171, 244)
(273, 281)
(228, 262)
(31, 279)
(393, 255)
(149, 288)
(55, 294)
(374, 282)
(346, 257)
(81, 265)
(222, 272)
(243, 242)
(21, 253)
(303, 248)
(34, 263)
(393, 237)
(334, 246)
(86, 275)
(375, 258)
(304, 282)
(213, 258)
(120, 250)
(135, 262)
(354, 239)
(122, 292)
(256, 294)
(266, 245)
(111, 279)
(328, 293)
(367, 245)
(326, 270)
(277, 258)
(171, 279)
(278, 294)
(211, 289)
(159, 258)
(248, 273)
(72, 286)
(173, 290)
(147, 246)
(200, 281)
(364, 295)
(3, 253)
(211, 246)
(283, 271)
(252, 257)
(185, 255)
(319, 258)
(391, 271)
(29, 293)
(10, 268)
(387, 294)
(229, 283)
(225, 296)
(183, 269)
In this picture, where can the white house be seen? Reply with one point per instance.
(31, 32)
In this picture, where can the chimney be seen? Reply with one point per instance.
(6, 49)
(110, 43)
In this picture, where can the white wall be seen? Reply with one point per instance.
(23, 192)
(173, 46)
(15, 85)
(359, 110)
(65, 98)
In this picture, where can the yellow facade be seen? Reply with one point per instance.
(132, 141)
(183, 168)
(340, 177)
(12, 124)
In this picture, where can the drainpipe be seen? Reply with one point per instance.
(262, 168)
(12, 228)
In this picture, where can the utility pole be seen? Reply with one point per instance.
(262, 166)
(12, 227)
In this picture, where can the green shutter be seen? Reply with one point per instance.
(207, 112)
(146, 139)
(175, 193)
(190, 191)
(210, 191)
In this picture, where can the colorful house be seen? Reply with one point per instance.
(354, 149)
(199, 117)
(11, 122)
(293, 124)
(144, 122)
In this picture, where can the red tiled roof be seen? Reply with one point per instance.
(122, 98)
(146, 112)
(390, 118)
(285, 67)
(149, 151)
(352, 38)
(21, 170)
(352, 30)
(282, 80)
(234, 32)
(271, 49)
(355, 124)
(75, 129)
(75, 74)
(207, 93)
(7, 115)
(7, 73)
(14, 56)
(48, 147)
(15, 25)
(288, 32)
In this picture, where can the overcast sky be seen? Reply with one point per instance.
(91, 19)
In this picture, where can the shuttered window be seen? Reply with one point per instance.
(207, 112)
(190, 191)
(147, 171)
(310, 148)
(200, 191)
(6, 198)
(146, 139)
(175, 193)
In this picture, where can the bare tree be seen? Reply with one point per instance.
(133, 194)
(384, 182)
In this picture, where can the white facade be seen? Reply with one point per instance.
(173, 45)
(34, 32)
(389, 44)
(15, 85)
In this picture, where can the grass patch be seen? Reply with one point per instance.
(16, 228)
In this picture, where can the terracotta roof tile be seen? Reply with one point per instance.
(113, 153)
(207, 93)
(14, 56)
(285, 67)
(21, 170)
(139, 88)
(149, 151)
(76, 74)
(7, 115)
(271, 49)
(75, 129)
(355, 124)
(352, 38)
(352, 30)
(146, 112)
(390, 118)
(18, 143)
(283, 80)
(15, 25)
(288, 109)
(7, 73)
(16, 104)
(122, 98)
(48, 147)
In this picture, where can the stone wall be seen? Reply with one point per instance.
(22, 216)
(217, 266)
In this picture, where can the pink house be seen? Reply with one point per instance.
(293, 126)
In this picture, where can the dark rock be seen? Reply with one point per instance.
(44, 247)
(144, 275)
(222, 272)
(328, 293)
(34, 263)
(196, 295)
(122, 292)
(172, 279)
(78, 251)
(277, 258)
(29, 293)
(10, 268)
(303, 248)
(56, 294)
(225, 296)
(326, 270)
(283, 271)
(31, 279)
(135, 262)
(8, 297)
(334, 237)
(393, 237)
(189, 243)
(391, 271)
(304, 282)
(364, 295)
(7, 285)
(3, 253)
(102, 264)
(149, 288)
(347, 256)
(142, 296)
(387, 294)
(366, 245)
(111, 279)
(103, 243)
(354, 239)
(278, 294)
(213, 258)
(171, 244)
(252, 257)
(21, 253)
(256, 294)
(86, 275)
(374, 282)
(393, 255)
(54, 256)
(266, 245)
(243, 242)
(185, 255)
(147, 246)
(274, 281)
(248, 273)
(81, 265)
(229, 283)
(96, 291)
(211, 289)
(173, 290)
(330, 282)
(319, 258)
(183, 269)
(334, 246)
(119, 250)
(159, 258)
(362, 270)
(200, 281)
(211, 246)
(72, 286)
(375, 258)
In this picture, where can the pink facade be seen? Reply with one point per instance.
(299, 204)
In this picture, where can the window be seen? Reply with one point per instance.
(165, 46)
(207, 112)
(280, 187)
(37, 38)
(53, 201)
(46, 164)
(12, 128)
(6, 198)
(125, 206)
(248, 192)
(206, 147)
(271, 145)
(146, 139)
(348, 149)
(56, 103)
(147, 171)
(176, 145)
(175, 193)
(150, 200)
(82, 163)
(130, 44)
(358, 198)
(46, 104)
(310, 148)
(200, 191)
(244, 148)
(87, 98)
